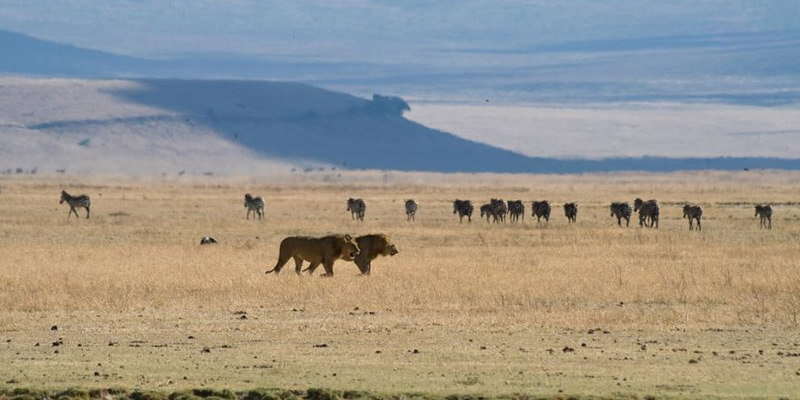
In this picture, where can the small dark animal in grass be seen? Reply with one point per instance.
(621, 210)
(516, 210)
(369, 248)
(571, 211)
(463, 208)
(325, 250)
(648, 211)
(254, 205)
(411, 209)
(74, 202)
(765, 215)
(357, 208)
(541, 209)
(693, 213)
(207, 240)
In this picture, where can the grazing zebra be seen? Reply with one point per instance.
(463, 208)
(516, 209)
(500, 210)
(357, 207)
(74, 202)
(254, 205)
(647, 210)
(571, 211)
(488, 211)
(621, 210)
(540, 209)
(693, 213)
(765, 212)
(411, 209)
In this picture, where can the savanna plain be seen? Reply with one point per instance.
(128, 300)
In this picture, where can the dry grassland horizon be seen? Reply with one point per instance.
(140, 249)
(547, 309)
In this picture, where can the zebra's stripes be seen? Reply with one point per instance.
(648, 210)
(693, 213)
(74, 202)
(765, 215)
(516, 209)
(621, 210)
(254, 205)
(499, 210)
(463, 208)
(411, 209)
(571, 211)
(541, 209)
(357, 208)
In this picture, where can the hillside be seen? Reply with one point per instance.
(151, 126)
(256, 128)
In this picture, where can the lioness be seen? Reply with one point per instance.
(370, 246)
(325, 250)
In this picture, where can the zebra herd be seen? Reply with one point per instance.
(494, 211)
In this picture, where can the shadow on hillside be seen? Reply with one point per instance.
(293, 121)
(296, 121)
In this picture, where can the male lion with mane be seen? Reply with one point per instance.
(370, 247)
(325, 250)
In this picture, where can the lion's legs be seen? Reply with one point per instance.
(328, 265)
(363, 266)
(298, 265)
(311, 268)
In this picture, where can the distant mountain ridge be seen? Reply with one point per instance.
(755, 68)
(255, 127)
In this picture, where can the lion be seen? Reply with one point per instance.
(370, 247)
(325, 250)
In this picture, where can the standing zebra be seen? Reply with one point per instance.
(488, 211)
(516, 209)
(411, 209)
(571, 211)
(621, 210)
(463, 208)
(693, 213)
(254, 205)
(647, 210)
(74, 202)
(500, 210)
(541, 209)
(765, 212)
(357, 207)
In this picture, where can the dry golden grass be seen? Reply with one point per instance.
(135, 273)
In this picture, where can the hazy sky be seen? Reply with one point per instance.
(378, 31)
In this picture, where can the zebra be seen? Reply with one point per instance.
(693, 213)
(647, 210)
(540, 209)
(765, 212)
(254, 205)
(74, 202)
(500, 210)
(516, 209)
(411, 209)
(621, 210)
(357, 207)
(571, 211)
(463, 208)
(488, 211)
